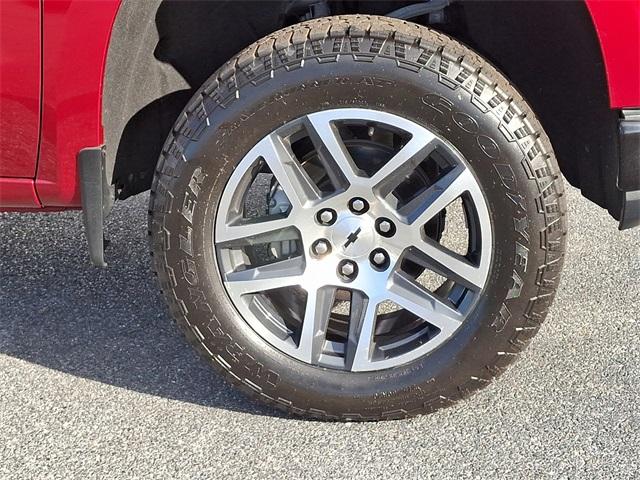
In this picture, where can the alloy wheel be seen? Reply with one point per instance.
(329, 241)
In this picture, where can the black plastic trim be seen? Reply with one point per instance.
(629, 168)
(97, 198)
(629, 172)
(630, 215)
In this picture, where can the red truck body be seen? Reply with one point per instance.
(356, 207)
(52, 63)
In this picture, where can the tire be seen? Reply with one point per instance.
(397, 68)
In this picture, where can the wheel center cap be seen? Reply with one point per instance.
(353, 236)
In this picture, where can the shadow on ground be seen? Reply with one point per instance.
(108, 325)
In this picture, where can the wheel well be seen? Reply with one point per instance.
(162, 51)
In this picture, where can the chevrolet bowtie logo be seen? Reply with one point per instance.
(352, 237)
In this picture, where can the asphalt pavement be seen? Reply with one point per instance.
(95, 380)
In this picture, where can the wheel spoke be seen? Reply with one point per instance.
(402, 163)
(296, 183)
(314, 326)
(362, 322)
(438, 196)
(285, 273)
(451, 265)
(331, 150)
(251, 233)
(410, 295)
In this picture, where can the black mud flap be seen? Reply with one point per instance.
(97, 199)
(629, 168)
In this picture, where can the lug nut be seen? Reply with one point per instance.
(320, 247)
(379, 259)
(347, 270)
(358, 205)
(326, 216)
(385, 227)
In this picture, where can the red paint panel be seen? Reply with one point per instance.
(18, 193)
(617, 23)
(19, 87)
(76, 36)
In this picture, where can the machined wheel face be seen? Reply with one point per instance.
(353, 239)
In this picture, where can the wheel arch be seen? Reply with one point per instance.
(160, 53)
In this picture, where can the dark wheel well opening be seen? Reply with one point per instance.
(162, 51)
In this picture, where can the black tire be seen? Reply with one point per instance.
(382, 64)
